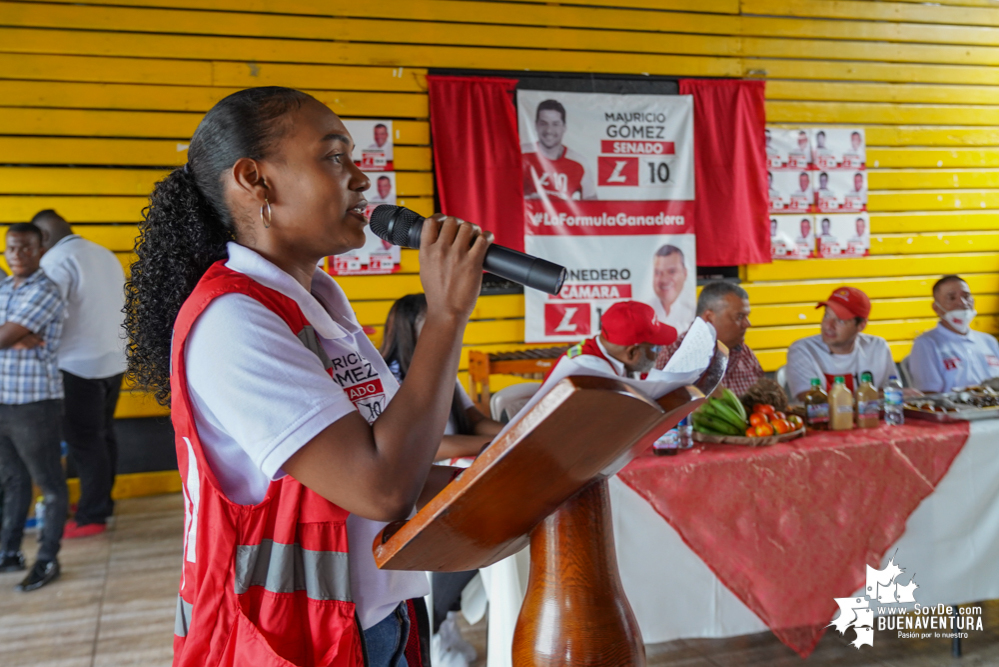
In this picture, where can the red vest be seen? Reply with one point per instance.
(265, 584)
(587, 346)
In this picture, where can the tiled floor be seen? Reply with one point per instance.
(115, 601)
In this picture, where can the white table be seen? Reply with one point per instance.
(951, 543)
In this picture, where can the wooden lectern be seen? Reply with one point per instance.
(545, 481)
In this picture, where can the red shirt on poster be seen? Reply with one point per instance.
(565, 177)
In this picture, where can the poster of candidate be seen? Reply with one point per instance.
(792, 236)
(840, 190)
(608, 193)
(372, 144)
(373, 153)
(788, 149)
(843, 235)
(838, 148)
(790, 191)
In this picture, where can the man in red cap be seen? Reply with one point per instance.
(629, 340)
(841, 348)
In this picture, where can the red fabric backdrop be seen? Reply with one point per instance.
(477, 153)
(730, 172)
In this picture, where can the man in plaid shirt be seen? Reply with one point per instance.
(725, 306)
(31, 316)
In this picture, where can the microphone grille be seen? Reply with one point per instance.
(392, 223)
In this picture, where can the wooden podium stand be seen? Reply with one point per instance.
(545, 481)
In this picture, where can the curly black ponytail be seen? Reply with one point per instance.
(188, 223)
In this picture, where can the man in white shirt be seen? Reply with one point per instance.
(92, 362)
(952, 354)
(382, 143)
(669, 275)
(841, 348)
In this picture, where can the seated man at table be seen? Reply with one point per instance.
(630, 338)
(842, 348)
(725, 306)
(952, 354)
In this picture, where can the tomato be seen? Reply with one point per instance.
(767, 410)
(781, 426)
(764, 430)
(796, 422)
(779, 415)
(756, 419)
(751, 432)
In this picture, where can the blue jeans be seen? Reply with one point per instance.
(386, 640)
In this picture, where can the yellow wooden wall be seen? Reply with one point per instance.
(97, 102)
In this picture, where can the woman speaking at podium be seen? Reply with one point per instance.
(294, 441)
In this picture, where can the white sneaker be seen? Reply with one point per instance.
(451, 638)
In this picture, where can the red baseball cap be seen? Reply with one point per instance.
(847, 303)
(633, 323)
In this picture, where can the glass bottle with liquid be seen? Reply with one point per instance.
(868, 406)
(840, 406)
(816, 407)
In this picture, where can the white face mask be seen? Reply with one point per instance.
(960, 319)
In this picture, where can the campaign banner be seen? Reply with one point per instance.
(608, 193)
(373, 153)
(843, 235)
(792, 237)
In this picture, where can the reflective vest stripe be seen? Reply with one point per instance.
(182, 620)
(286, 568)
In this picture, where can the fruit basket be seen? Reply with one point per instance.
(725, 420)
(749, 442)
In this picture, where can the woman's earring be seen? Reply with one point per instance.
(265, 213)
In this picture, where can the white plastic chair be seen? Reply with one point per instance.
(507, 402)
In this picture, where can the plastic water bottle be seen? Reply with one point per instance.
(685, 434)
(667, 444)
(893, 402)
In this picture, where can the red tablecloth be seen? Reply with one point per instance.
(787, 528)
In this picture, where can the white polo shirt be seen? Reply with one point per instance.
(810, 358)
(942, 360)
(92, 283)
(258, 395)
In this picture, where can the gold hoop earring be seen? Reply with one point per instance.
(265, 213)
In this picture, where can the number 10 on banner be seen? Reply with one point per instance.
(631, 171)
(634, 163)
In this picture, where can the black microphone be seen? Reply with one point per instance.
(402, 227)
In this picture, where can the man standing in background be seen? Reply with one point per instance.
(31, 319)
(92, 361)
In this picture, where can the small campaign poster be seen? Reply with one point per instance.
(840, 190)
(608, 193)
(788, 149)
(374, 155)
(792, 236)
(843, 235)
(838, 148)
(376, 256)
(790, 191)
(372, 144)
